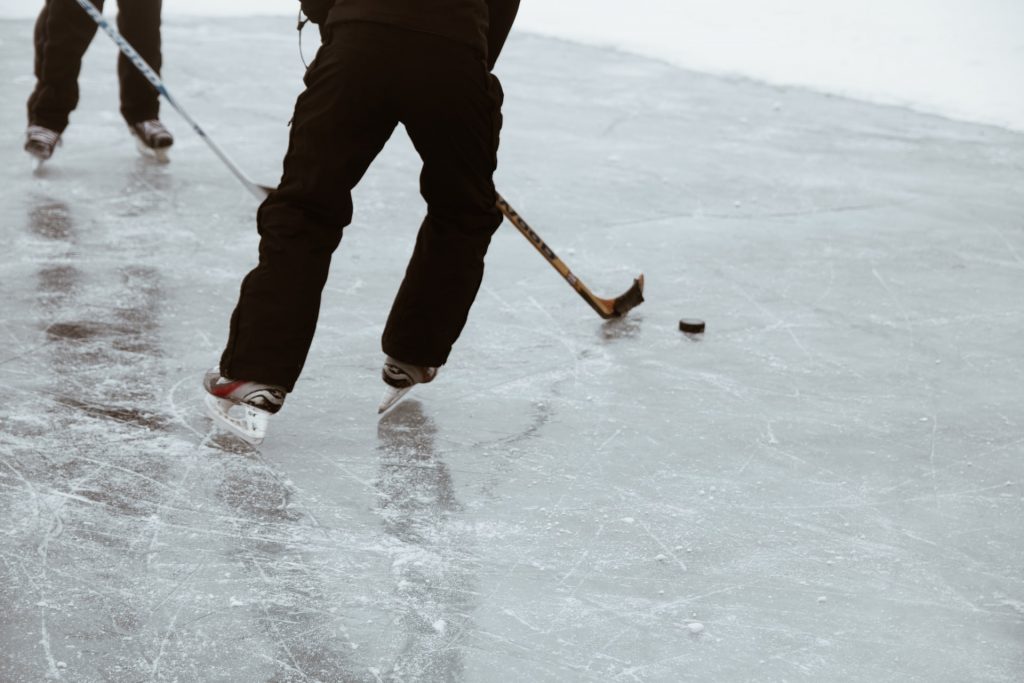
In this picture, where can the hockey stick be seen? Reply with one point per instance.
(258, 191)
(606, 308)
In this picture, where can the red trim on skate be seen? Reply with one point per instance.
(224, 390)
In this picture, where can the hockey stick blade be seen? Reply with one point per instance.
(630, 299)
(606, 308)
(609, 309)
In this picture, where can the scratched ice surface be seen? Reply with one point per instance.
(825, 487)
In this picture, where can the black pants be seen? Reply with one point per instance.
(365, 80)
(63, 32)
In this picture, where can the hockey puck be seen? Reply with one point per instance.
(691, 326)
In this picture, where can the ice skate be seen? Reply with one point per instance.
(152, 139)
(400, 378)
(40, 142)
(243, 408)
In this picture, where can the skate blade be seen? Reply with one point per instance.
(391, 397)
(245, 422)
(36, 162)
(158, 154)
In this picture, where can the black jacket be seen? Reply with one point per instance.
(481, 24)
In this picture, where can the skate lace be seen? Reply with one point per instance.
(153, 133)
(153, 128)
(265, 397)
(43, 135)
(399, 377)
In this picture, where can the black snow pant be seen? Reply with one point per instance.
(366, 79)
(62, 34)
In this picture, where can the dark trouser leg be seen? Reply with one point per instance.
(341, 122)
(453, 116)
(62, 34)
(139, 22)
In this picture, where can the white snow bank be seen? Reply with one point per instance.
(959, 58)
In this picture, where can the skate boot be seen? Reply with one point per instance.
(152, 138)
(243, 408)
(40, 143)
(400, 378)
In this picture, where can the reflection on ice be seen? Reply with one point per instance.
(431, 552)
(50, 219)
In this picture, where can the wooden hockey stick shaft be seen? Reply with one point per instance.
(606, 308)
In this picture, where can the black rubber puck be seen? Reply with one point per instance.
(691, 325)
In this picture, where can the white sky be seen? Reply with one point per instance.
(961, 58)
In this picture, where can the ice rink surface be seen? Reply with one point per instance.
(826, 486)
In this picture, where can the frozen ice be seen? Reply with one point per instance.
(505, 523)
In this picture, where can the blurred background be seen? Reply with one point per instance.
(959, 58)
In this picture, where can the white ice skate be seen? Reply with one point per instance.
(243, 408)
(400, 378)
(152, 139)
(40, 142)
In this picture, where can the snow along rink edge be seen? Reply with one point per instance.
(957, 58)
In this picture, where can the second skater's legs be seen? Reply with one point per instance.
(63, 32)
